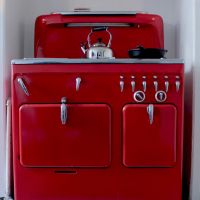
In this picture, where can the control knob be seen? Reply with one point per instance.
(139, 96)
(160, 96)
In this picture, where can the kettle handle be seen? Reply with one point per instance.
(95, 29)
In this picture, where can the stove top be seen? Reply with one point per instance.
(93, 61)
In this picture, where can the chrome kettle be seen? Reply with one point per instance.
(99, 50)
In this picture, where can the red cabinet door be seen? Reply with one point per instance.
(84, 141)
(149, 137)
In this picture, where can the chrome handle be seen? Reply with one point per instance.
(133, 85)
(23, 86)
(166, 86)
(78, 83)
(178, 84)
(155, 85)
(63, 110)
(150, 111)
(144, 85)
(121, 83)
(110, 40)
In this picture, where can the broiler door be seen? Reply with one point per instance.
(65, 135)
(149, 135)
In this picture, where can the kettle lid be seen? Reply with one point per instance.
(99, 43)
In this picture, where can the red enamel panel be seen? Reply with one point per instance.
(84, 141)
(100, 86)
(54, 38)
(145, 144)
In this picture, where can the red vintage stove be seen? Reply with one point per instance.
(103, 129)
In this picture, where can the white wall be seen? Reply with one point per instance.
(2, 136)
(195, 181)
(186, 50)
(10, 47)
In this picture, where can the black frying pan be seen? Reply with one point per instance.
(141, 52)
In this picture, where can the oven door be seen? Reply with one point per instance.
(83, 139)
(149, 135)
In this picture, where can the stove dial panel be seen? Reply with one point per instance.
(139, 96)
(160, 96)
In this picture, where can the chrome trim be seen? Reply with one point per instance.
(78, 82)
(63, 110)
(23, 86)
(150, 111)
(88, 12)
(98, 24)
(35, 61)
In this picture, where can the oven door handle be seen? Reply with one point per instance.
(150, 111)
(63, 110)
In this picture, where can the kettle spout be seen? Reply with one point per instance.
(83, 48)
